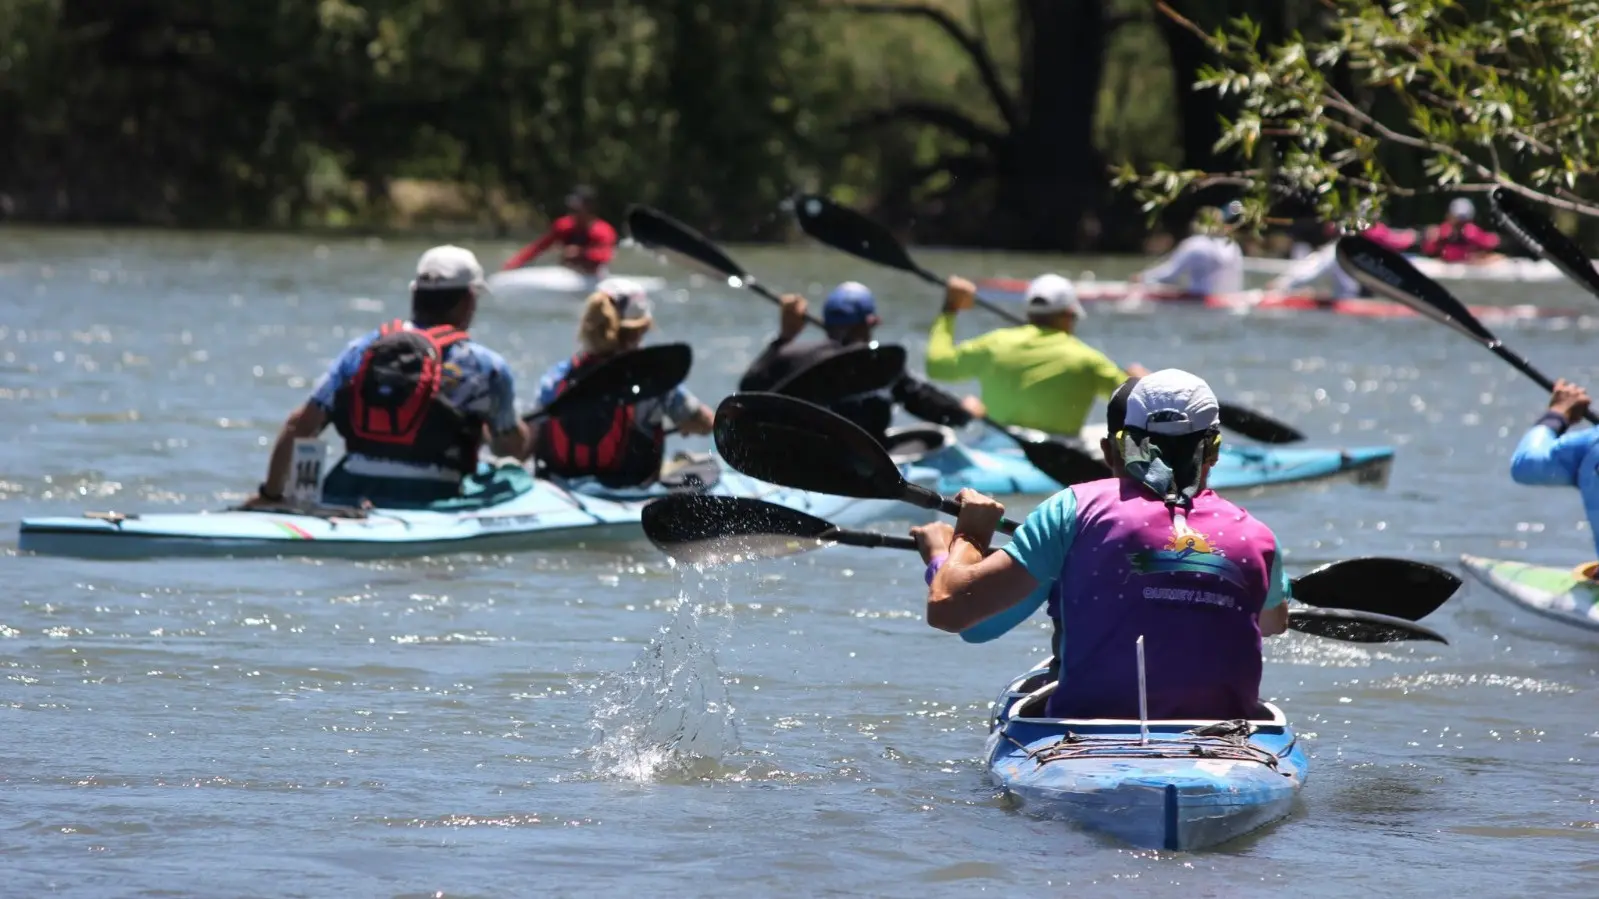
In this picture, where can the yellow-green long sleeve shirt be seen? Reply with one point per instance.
(1031, 377)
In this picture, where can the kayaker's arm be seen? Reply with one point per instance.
(776, 362)
(1273, 618)
(1547, 456)
(689, 414)
(533, 250)
(1175, 266)
(307, 421)
(1004, 588)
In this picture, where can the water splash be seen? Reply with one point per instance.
(668, 715)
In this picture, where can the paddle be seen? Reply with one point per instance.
(828, 378)
(1386, 586)
(716, 530)
(1390, 274)
(787, 441)
(657, 230)
(1535, 231)
(845, 229)
(631, 376)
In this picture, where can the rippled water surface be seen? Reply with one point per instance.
(596, 719)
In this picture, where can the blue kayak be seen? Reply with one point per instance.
(1196, 784)
(543, 514)
(995, 465)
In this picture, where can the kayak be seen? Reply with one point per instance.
(1503, 269)
(1196, 784)
(1124, 296)
(993, 464)
(1566, 595)
(547, 513)
(558, 279)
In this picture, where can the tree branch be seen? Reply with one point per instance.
(938, 115)
(986, 69)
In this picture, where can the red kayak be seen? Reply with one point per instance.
(1130, 295)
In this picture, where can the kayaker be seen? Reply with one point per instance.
(849, 316)
(1151, 553)
(411, 431)
(1549, 457)
(624, 445)
(1458, 238)
(1208, 261)
(1038, 375)
(587, 241)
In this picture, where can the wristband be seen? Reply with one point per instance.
(263, 492)
(1555, 421)
(933, 566)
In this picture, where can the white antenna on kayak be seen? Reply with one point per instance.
(1143, 698)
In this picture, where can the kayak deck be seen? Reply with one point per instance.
(548, 515)
(1558, 594)
(1196, 784)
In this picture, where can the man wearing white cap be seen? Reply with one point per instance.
(413, 400)
(1038, 375)
(1150, 553)
(1209, 260)
(1459, 239)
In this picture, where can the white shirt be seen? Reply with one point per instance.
(1322, 263)
(1212, 265)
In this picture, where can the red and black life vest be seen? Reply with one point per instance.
(601, 440)
(394, 408)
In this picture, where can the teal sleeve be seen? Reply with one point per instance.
(1040, 546)
(1280, 590)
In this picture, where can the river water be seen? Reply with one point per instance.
(548, 724)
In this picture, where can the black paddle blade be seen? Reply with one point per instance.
(864, 368)
(1398, 587)
(796, 444)
(714, 530)
(1390, 274)
(1257, 426)
(933, 404)
(1064, 462)
(628, 377)
(1359, 627)
(1532, 229)
(845, 229)
(657, 230)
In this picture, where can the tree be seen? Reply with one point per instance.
(1482, 93)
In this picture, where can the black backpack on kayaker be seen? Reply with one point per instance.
(394, 408)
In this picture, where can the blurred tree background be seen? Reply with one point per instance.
(976, 122)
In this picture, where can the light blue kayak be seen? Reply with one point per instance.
(1195, 784)
(993, 464)
(548, 514)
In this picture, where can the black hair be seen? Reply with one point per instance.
(433, 306)
(1116, 409)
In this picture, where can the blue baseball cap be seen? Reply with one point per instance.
(850, 303)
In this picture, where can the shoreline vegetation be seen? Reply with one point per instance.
(987, 124)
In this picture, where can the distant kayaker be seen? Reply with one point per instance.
(1038, 375)
(849, 316)
(1208, 261)
(587, 242)
(1459, 239)
(1151, 553)
(411, 428)
(1548, 456)
(1323, 263)
(623, 445)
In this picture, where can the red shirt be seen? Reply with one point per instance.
(1454, 243)
(598, 241)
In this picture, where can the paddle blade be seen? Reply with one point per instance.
(933, 404)
(1257, 426)
(864, 368)
(1358, 627)
(1398, 587)
(794, 443)
(1390, 274)
(659, 231)
(1532, 229)
(1064, 462)
(715, 530)
(845, 229)
(627, 377)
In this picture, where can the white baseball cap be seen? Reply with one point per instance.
(1172, 402)
(1049, 294)
(1462, 208)
(632, 303)
(449, 268)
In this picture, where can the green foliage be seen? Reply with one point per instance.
(1481, 92)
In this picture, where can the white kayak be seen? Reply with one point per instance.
(558, 279)
(1501, 269)
(544, 515)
